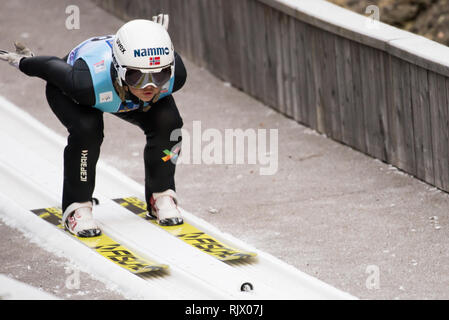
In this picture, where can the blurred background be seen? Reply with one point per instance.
(429, 18)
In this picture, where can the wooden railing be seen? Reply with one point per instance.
(378, 89)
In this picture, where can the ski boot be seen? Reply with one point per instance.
(78, 219)
(164, 208)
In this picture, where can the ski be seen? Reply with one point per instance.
(188, 233)
(105, 246)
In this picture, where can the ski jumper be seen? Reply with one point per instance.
(80, 88)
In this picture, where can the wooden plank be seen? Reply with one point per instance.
(439, 121)
(358, 125)
(187, 31)
(316, 49)
(381, 102)
(232, 52)
(253, 22)
(220, 43)
(212, 39)
(345, 90)
(260, 60)
(294, 76)
(140, 9)
(279, 102)
(271, 51)
(197, 38)
(330, 87)
(368, 97)
(204, 49)
(311, 102)
(374, 101)
(285, 67)
(244, 47)
(422, 127)
(174, 28)
(120, 8)
(402, 116)
(391, 128)
(394, 109)
(302, 112)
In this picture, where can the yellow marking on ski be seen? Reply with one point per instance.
(106, 246)
(120, 255)
(191, 235)
(55, 211)
(45, 215)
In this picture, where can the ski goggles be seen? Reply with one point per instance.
(139, 80)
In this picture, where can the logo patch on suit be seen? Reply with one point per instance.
(170, 155)
(99, 66)
(106, 96)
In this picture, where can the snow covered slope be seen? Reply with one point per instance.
(31, 175)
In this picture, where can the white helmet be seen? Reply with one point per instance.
(143, 54)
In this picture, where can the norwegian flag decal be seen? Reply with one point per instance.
(154, 61)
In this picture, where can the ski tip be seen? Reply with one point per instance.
(151, 269)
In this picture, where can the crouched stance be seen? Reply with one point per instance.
(131, 75)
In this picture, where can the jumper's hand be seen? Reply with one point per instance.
(11, 57)
(14, 57)
(162, 19)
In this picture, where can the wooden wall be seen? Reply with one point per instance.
(386, 103)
